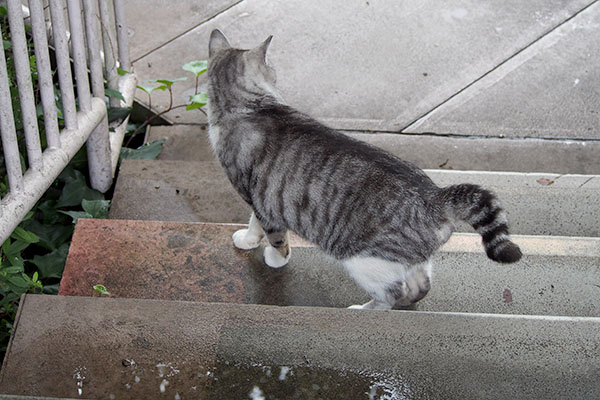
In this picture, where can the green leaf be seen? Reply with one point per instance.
(77, 214)
(50, 214)
(170, 82)
(23, 235)
(13, 270)
(149, 89)
(15, 260)
(51, 235)
(51, 265)
(193, 106)
(148, 151)
(122, 72)
(200, 98)
(101, 289)
(197, 67)
(35, 277)
(96, 208)
(15, 248)
(18, 281)
(75, 191)
(51, 289)
(114, 93)
(118, 113)
(7, 44)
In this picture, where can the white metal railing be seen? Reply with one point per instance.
(96, 32)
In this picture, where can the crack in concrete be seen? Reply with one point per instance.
(580, 186)
(499, 65)
(459, 136)
(188, 30)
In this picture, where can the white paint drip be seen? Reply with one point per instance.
(576, 82)
(136, 379)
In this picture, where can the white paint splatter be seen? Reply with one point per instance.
(79, 376)
(177, 396)
(256, 394)
(576, 82)
(283, 373)
(166, 370)
(163, 385)
(136, 379)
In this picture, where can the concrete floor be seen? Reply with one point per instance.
(513, 69)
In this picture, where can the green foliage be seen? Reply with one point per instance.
(101, 290)
(114, 93)
(196, 101)
(147, 151)
(196, 67)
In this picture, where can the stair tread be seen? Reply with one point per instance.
(537, 203)
(190, 143)
(170, 346)
(197, 262)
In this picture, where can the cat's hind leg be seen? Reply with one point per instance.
(278, 253)
(389, 283)
(250, 238)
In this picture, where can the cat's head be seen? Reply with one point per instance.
(248, 68)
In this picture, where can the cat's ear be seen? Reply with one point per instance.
(261, 51)
(217, 42)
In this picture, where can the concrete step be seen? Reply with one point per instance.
(141, 349)
(197, 262)
(537, 204)
(428, 151)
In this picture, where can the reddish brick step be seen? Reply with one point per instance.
(196, 261)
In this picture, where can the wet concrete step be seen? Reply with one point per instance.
(427, 151)
(139, 349)
(197, 262)
(537, 204)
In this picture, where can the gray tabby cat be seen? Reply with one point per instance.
(381, 216)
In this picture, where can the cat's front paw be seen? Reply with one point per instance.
(242, 240)
(274, 259)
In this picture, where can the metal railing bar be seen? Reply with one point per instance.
(122, 35)
(23, 72)
(127, 86)
(46, 85)
(98, 145)
(79, 51)
(8, 132)
(92, 25)
(36, 182)
(61, 47)
(110, 63)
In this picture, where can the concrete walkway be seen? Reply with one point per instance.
(508, 69)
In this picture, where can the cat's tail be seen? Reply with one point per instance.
(481, 209)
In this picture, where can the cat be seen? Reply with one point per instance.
(382, 217)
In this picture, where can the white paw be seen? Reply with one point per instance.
(243, 241)
(275, 260)
(356, 307)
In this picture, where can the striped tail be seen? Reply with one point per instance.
(481, 209)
